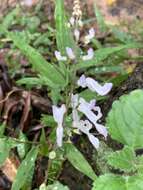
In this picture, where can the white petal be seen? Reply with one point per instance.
(60, 57)
(89, 56)
(102, 130)
(74, 100)
(59, 133)
(94, 86)
(77, 34)
(58, 113)
(84, 126)
(75, 118)
(93, 140)
(72, 21)
(82, 81)
(28, 2)
(70, 53)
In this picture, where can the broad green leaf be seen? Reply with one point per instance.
(24, 169)
(109, 182)
(124, 159)
(50, 72)
(63, 34)
(56, 186)
(115, 182)
(104, 53)
(76, 158)
(125, 120)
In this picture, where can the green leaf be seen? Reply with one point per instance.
(24, 169)
(104, 53)
(22, 148)
(114, 182)
(125, 120)
(76, 158)
(2, 129)
(109, 182)
(124, 159)
(43, 141)
(6, 144)
(63, 34)
(56, 186)
(40, 65)
(100, 19)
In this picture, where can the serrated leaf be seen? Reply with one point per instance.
(57, 186)
(53, 76)
(109, 182)
(124, 159)
(114, 182)
(125, 120)
(76, 158)
(24, 169)
(104, 53)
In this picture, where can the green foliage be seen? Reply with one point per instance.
(22, 148)
(38, 62)
(124, 159)
(64, 37)
(103, 53)
(125, 120)
(24, 169)
(76, 158)
(57, 186)
(2, 129)
(114, 182)
(6, 144)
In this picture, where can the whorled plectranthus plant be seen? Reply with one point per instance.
(85, 115)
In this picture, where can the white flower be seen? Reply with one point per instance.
(72, 21)
(70, 53)
(60, 57)
(90, 35)
(85, 126)
(28, 2)
(58, 114)
(86, 108)
(77, 34)
(89, 56)
(94, 86)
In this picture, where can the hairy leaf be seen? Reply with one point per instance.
(124, 159)
(125, 120)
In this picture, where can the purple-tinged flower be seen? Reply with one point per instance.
(94, 86)
(89, 56)
(58, 114)
(70, 53)
(90, 36)
(60, 57)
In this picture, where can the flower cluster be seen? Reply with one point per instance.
(88, 109)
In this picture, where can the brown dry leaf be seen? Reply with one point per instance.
(9, 168)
